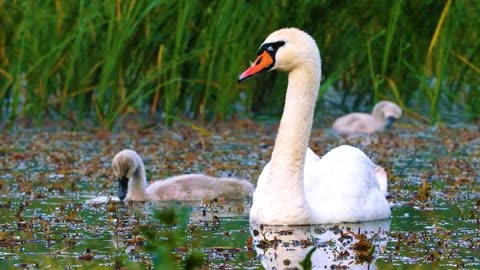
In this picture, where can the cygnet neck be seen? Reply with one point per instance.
(138, 184)
(379, 116)
(377, 112)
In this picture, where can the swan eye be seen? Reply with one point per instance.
(270, 47)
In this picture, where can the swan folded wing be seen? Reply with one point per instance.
(342, 185)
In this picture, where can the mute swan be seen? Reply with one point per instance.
(384, 114)
(128, 168)
(297, 187)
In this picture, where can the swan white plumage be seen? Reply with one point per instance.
(129, 169)
(383, 115)
(297, 187)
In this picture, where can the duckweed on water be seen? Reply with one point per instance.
(45, 178)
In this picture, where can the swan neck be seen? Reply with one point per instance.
(288, 157)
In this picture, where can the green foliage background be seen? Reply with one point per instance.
(101, 60)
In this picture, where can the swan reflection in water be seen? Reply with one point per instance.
(337, 246)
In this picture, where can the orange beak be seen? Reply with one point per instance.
(263, 62)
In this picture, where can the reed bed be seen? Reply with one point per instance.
(102, 60)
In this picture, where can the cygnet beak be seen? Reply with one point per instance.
(389, 121)
(122, 187)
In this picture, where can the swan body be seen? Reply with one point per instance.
(297, 187)
(383, 115)
(129, 169)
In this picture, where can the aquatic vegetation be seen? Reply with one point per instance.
(162, 247)
(46, 175)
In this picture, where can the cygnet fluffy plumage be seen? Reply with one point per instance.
(128, 168)
(384, 114)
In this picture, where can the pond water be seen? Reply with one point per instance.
(46, 177)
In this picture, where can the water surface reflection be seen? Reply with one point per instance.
(356, 245)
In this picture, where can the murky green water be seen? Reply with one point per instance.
(45, 178)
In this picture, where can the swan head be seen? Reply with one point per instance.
(387, 110)
(125, 164)
(285, 50)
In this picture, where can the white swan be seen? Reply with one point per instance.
(297, 187)
(383, 115)
(129, 169)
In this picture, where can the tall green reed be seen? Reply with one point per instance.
(422, 72)
(101, 60)
(436, 62)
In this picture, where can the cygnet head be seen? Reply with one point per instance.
(125, 164)
(285, 49)
(387, 110)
